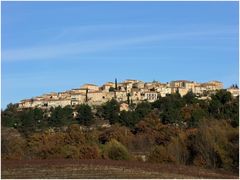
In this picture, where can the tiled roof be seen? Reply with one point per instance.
(215, 81)
(183, 81)
(89, 85)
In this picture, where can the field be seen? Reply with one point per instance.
(103, 169)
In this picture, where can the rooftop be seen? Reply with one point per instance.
(186, 81)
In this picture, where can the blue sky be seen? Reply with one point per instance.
(55, 46)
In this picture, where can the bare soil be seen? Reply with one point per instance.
(104, 169)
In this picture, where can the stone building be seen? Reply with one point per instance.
(183, 84)
(135, 90)
(199, 89)
(107, 86)
(90, 87)
(181, 90)
(151, 96)
(217, 84)
(234, 91)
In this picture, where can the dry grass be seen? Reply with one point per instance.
(103, 169)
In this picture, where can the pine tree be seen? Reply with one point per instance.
(128, 99)
(86, 95)
(115, 93)
(115, 83)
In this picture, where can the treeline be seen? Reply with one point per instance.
(173, 129)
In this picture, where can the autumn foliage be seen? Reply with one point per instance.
(173, 129)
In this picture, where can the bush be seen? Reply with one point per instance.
(217, 143)
(121, 133)
(79, 152)
(110, 111)
(13, 146)
(116, 151)
(70, 152)
(88, 152)
(75, 135)
(46, 145)
(159, 154)
(175, 151)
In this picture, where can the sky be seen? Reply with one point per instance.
(57, 46)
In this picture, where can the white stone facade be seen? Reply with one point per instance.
(136, 90)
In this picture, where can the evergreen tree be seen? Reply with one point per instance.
(128, 98)
(111, 111)
(85, 115)
(86, 97)
(116, 84)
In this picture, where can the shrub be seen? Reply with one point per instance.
(177, 149)
(116, 151)
(88, 152)
(159, 154)
(79, 152)
(46, 145)
(75, 135)
(69, 151)
(13, 146)
(217, 143)
(120, 133)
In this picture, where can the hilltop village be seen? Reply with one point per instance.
(128, 91)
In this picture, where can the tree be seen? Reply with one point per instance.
(10, 116)
(111, 89)
(222, 96)
(85, 115)
(28, 123)
(234, 86)
(217, 143)
(115, 83)
(219, 102)
(175, 151)
(189, 98)
(111, 111)
(143, 109)
(231, 111)
(171, 115)
(128, 118)
(61, 116)
(86, 96)
(192, 114)
(169, 108)
(128, 98)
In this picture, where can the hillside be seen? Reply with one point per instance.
(173, 130)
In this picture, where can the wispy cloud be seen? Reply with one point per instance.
(53, 51)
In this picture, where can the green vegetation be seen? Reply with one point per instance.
(84, 115)
(111, 89)
(116, 151)
(173, 129)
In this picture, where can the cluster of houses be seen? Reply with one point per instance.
(133, 91)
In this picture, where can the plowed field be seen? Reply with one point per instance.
(103, 169)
